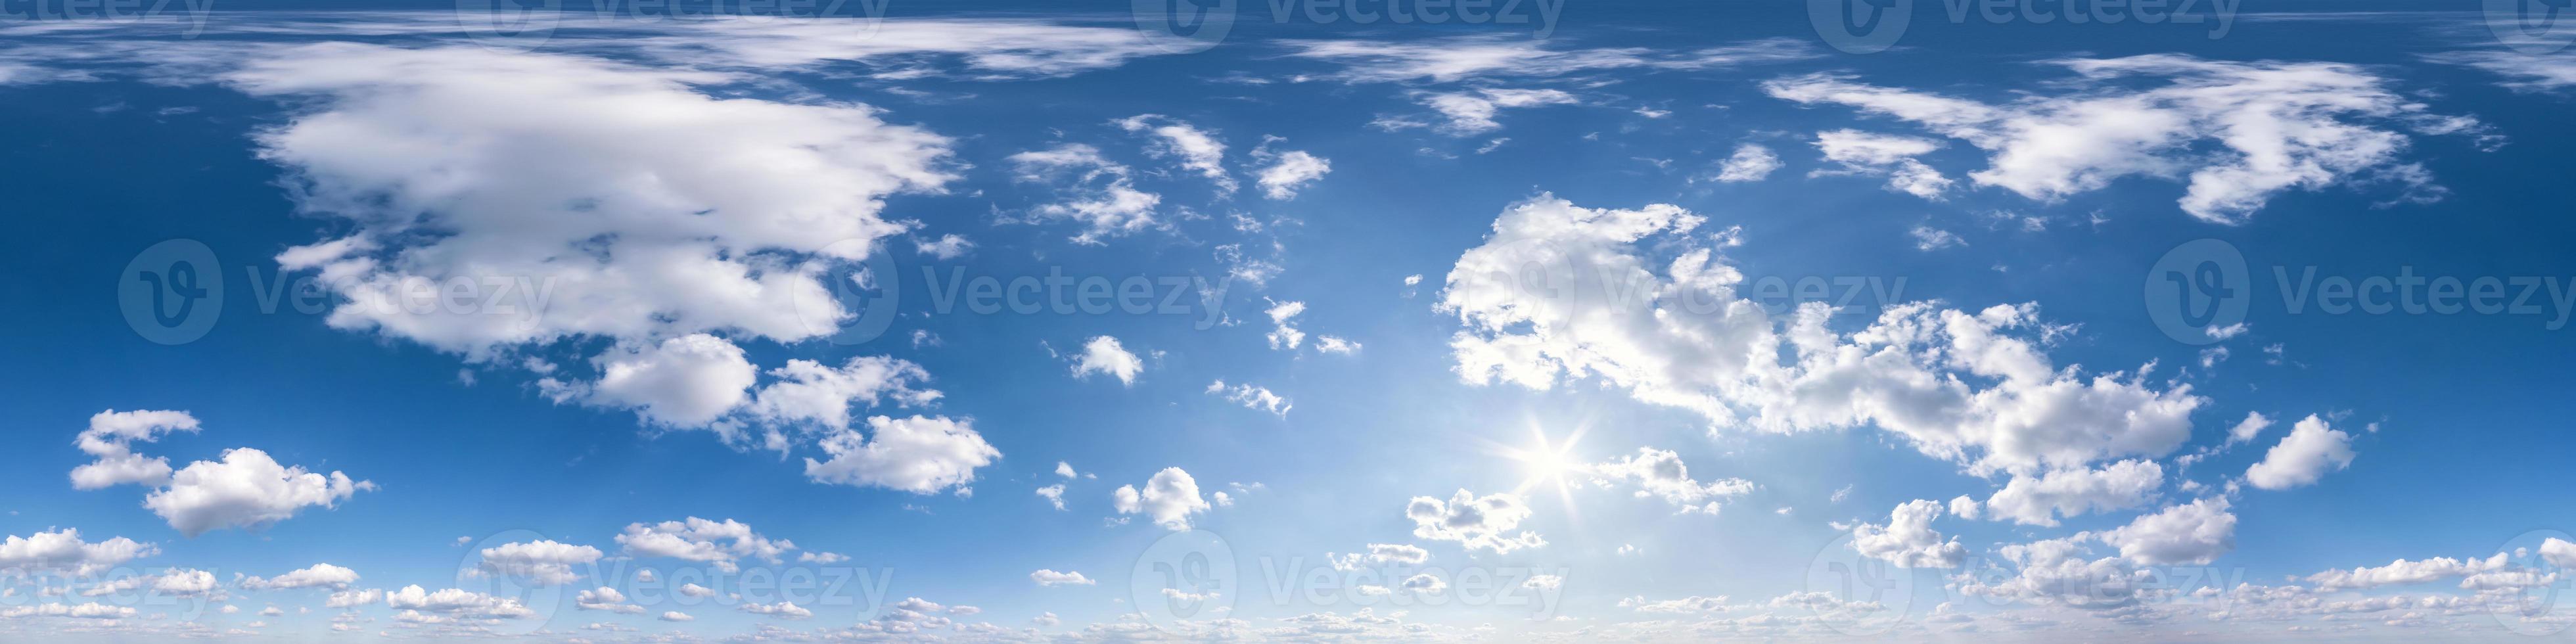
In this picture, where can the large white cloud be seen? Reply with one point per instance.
(918, 454)
(2237, 132)
(1560, 291)
(1474, 522)
(2311, 450)
(63, 551)
(247, 489)
(1169, 498)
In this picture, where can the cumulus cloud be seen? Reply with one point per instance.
(607, 599)
(110, 437)
(1380, 554)
(544, 562)
(920, 454)
(721, 543)
(1169, 498)
(1283, 332)
(2193, 533)
(1099, 194)
(2311, 450)
(1471, 113)
(1908, 540)
(1104, 355)
(455, 602)
(1046, 577)
(2253, 425)
(1974, 386)
(2281, 125)
(1659, 473)
(1476, 523)
(316, 576)
(687, 381)
(248, 490)
(2039, 501)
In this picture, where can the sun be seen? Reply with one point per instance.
(1542, 462)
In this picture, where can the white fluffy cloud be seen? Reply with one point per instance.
(919, 454)
(1470, 113)
(1380, 554)
(545, 562)
(1887, 155)
(1908, 539)
(316, 576)
(1046, 577)
(607, 599)
(2311, 450)
(2193, 533)
(1564, 292)
(1169, 498)
(2245, 430)
(2282, 125)
(1104, 355)
(2039, 501)
(1100, 194)
(2402, 571)
(63, 551)
(110, 437)
(247, 489)
(1196, 150)
(456, 602)
(1659, 473)
(1252, 397)
(1474, 522)
(716, 542)
(1750, 162)
(1288, 172)
(687, 381)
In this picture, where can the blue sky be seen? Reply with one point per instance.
(1661, 322)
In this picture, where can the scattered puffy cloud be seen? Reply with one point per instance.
(2193, 533)
(321, 575)
(1750, 162)
(1197, 150)
(2040, 500)
(110, 437)
(2311, 450)
(607, 599)
(1659, 473)
(721, 543)
(543, 562)
(1169, 498)
(1100, 194)
(1287, 172)
(1459, 58)
(1252, 397)
(919, 454)
(1104, 355)
(2254, 424)
(1884, 155)
(2282, 125)
(1476, 523)
(1472, 113)
(1046, 577)
(1908, 540)
(247, 489)
(458, 603)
